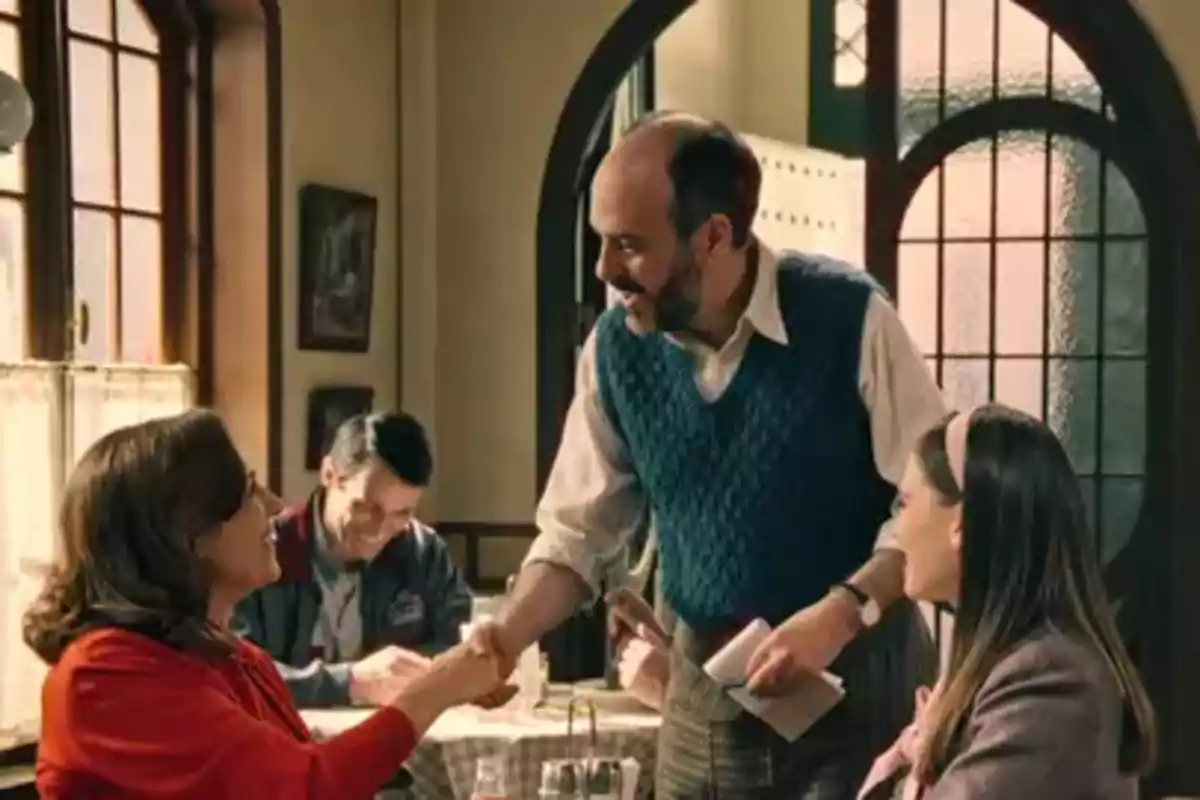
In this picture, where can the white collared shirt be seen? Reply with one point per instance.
(593, 501)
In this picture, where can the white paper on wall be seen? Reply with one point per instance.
(811, 200)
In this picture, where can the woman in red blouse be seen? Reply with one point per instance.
(149, 694)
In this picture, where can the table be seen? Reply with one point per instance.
(443, 764)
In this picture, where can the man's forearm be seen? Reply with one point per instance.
(882, 577)
(545, 595)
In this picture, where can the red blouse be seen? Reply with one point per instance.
(124, 716)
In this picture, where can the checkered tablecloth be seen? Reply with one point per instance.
(443, 764)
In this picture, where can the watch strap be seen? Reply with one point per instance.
(859, 595)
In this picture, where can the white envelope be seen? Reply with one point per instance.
(790, 715)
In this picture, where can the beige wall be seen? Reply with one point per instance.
(1176, 24)
(340, 127)
(240, 348)
(742, 62)
(502, 73)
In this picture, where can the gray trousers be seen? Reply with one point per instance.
(710, 748)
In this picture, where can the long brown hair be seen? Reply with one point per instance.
(1029, 562)
(130, 515)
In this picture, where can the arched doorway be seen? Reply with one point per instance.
(1111, 339)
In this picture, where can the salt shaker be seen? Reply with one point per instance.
(489, 779)
(604, 779)
(561, 780)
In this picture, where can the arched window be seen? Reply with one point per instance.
(1023, 259)
(94, 269)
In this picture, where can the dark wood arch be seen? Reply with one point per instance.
(1141, 85)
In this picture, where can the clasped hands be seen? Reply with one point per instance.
(476, 668)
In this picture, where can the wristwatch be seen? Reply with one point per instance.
(868, 609)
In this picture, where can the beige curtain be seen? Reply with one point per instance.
(49, 415)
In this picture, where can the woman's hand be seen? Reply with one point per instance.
(477, 670)
(473, 671)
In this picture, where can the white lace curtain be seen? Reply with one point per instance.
(49, 415)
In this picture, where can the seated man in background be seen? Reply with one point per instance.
(368, 593)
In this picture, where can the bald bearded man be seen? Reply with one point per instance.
(760, 407)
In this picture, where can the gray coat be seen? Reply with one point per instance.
(1046, 725)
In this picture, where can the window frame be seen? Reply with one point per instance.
(49, 314)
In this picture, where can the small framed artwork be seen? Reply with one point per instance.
(337, 268)
(329, 407)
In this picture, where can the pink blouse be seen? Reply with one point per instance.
(901, 755)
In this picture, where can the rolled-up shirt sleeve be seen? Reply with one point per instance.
(593, 501)
(901, 397)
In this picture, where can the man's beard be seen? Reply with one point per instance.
(675, 305)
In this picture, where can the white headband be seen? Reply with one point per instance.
(956, 447)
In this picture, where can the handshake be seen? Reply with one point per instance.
(474, 671)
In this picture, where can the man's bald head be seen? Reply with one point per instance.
(672, 203)
(708, 168)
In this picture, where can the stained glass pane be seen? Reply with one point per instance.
(1071, 409)
(965, 381)
(970, 54)
(1074, 302)
(1021, 184)
(1074, 185)
(1122, 211)
(850, 45)
(920, 29)
(1020, 298)
(1024, 51)
(965, 306)
(917, 294)
(1127, 284)
(1073, 82)
(1124, 443)
(968, 202)
(921, 217)
(1019, 384)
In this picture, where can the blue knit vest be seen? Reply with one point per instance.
(767, 496)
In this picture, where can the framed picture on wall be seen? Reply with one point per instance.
(337, 268)
(329, 407)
